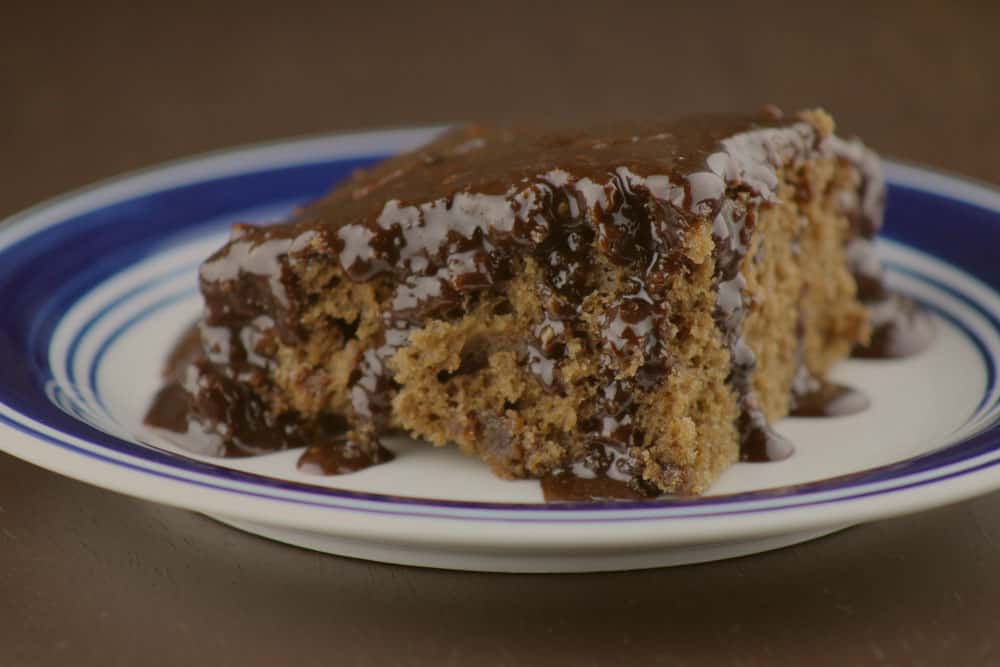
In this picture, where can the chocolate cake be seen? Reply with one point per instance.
(630, 305)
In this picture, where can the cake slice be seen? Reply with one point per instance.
(632, 303)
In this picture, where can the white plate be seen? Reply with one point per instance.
(97, 285)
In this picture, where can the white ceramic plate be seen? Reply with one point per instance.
(95, 287)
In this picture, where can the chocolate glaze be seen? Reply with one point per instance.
(606, 473)
(761, 443)
(436, 228)
(340, 456)
(570, 488)
(210, 414)
(811, 396)
(814, 397)
(169, 409)
(900, 328)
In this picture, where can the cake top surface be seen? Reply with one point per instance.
(528, 187)
(493, 160)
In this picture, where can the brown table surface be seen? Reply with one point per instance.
(88, 577)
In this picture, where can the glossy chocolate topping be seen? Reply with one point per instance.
(900, 327)
(814, 397)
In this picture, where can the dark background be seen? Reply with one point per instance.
(88, 90)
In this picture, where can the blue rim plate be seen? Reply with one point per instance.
(85, 270)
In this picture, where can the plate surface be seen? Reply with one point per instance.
(95, 287)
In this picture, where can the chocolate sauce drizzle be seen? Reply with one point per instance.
(437, 228)
(193, 405)
(900, 327)
(816, 397)
(828, 399)
(606, 472)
